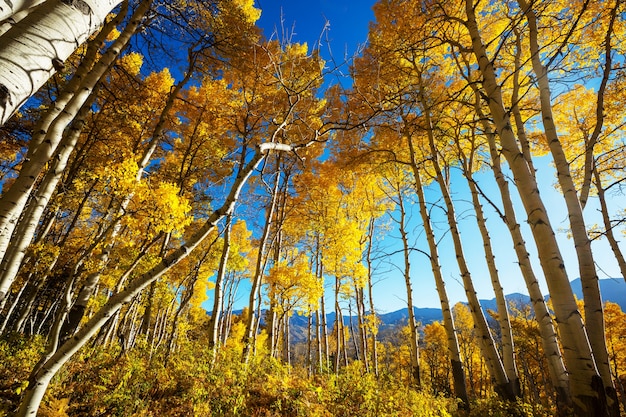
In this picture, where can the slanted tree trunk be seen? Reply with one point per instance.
(508, 351)
(489, 351)
(594, 313)
(33, 49)
(585, 381)
(458, 373)
(28, 224)
(549, 338)
(47, 137)
(40, 379)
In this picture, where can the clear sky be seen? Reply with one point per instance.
(348, 21)
(305, 21)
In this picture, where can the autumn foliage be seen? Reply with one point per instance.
(196, 218)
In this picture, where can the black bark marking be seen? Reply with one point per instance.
(5, 96)
(79, 5)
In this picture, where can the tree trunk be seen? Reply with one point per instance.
(496, 368)
(370, 288)
(549, 338)
(38, 44)
(585, 382)
(508, 351)
(594, 315)
(608, 227)
(13, 200)
(414, 342)
(25, 231)
(217, 292)
(458, 373)
(259, 270)
(39, 380)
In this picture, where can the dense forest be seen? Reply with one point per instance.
(162, 160)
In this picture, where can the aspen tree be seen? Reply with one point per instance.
(577, 351)
(40, 379)
(594, 318)
(47, 138)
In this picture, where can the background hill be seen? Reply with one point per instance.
(612, 289)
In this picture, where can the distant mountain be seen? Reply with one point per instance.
(613, 289)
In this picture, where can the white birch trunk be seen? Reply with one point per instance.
(218, 292)
(458, 373)
(13, 200)
(549, 338)
(594, 315)
(39, 380)
(508, 351)
(577, 351)
(9, 8)
(25, 231)
(414, 341)
(32, 48)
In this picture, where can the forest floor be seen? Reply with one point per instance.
(102, 382)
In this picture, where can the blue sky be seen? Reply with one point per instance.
(304, 21)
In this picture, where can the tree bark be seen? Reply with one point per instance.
(414, 336)
(259, 271)
(458, 373)
(218, 294)
(549, 338)
(34, 47)
(585, 382)
(9, 8)
(46, 139)
(39, 380)
(594, 314)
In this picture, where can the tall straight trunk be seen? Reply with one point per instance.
(354, 335)
(363, 331)
(33, 49)
(338, 327)
(370, 289)
(39, 380)
(585, 382)
(549, 337)
(414, 336)
(508, 351)
(325, 358)
(456, 364)
(259, 270)
(503, 385)
(217, 292)
(594, 313)
(286, 340)
(309, 342)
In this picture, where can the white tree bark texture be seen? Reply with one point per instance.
(36, 46)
